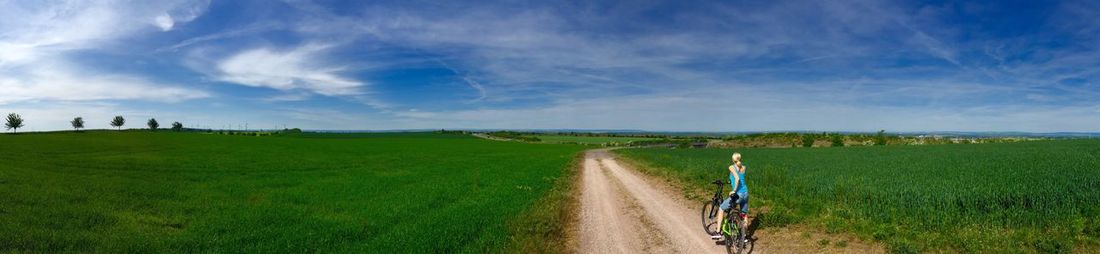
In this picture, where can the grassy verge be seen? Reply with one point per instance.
(546, 227)
(691, 191)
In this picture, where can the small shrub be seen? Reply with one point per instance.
(880, 138)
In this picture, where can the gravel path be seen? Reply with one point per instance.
(623, 213)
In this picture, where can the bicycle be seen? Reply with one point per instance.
(731, 230)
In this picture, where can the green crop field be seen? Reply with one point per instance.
(588, 140)
(1041, 196)
(138, 191)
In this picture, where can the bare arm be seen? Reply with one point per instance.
(736, 178)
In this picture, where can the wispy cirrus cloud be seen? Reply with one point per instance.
(41, 37)
(231, 33)
(866, 57)
(694, 65)
(57, 81)
(297, 69)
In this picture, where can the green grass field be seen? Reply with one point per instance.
(588, 140)
(138, 191)
(1041, 196)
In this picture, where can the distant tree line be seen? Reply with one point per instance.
(608, 134)
(669, 142)
(15, 121)
(515, 136)
(445, 131)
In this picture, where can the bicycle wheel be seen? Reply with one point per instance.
(735, 241)
(709, 214)
(732, 246)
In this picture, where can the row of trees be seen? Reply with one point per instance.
(15, 121)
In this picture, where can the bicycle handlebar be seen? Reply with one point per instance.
(718, 182)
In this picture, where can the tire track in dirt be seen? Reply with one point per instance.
(597, 210)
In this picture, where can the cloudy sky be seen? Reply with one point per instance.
(651, 65)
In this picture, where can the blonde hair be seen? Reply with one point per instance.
(736, 160)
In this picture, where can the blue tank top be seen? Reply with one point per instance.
(739, 186)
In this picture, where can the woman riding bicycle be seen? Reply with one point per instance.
(740, 192)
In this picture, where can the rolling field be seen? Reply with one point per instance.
(1041, 196)
(138, 191)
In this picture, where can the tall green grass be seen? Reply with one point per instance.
(190, 192)
(1031, 196)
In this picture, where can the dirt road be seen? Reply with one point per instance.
(623, 211)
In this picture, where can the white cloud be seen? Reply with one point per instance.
(164, 21)
(55, 81)
(40, 36)
(177, 12)
(302, 68)
(53, 27)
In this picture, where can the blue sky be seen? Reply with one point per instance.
(651, 65)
